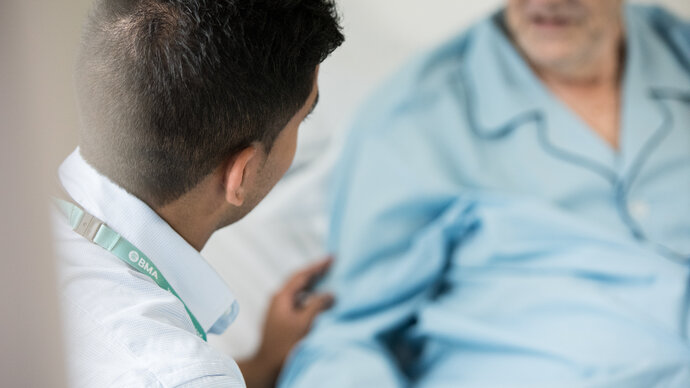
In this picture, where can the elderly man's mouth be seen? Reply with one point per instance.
(551, 22)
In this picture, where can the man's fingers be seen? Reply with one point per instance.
(315, 304)
(306, 276)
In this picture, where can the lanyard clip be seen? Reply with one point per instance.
(88, 226)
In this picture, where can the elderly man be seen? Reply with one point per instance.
(513, 209)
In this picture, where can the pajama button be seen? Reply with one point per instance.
(639, 210)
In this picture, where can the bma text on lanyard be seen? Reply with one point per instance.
(100, 234)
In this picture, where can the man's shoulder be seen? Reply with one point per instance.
(421, 80)
(124, 328)
(661, 17)
(136, 350)
(673, 29)
(432, 67)
(98, 283)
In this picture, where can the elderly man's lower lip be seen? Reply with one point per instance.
(551, 25)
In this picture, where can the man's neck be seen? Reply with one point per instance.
(591, 90)
(600, 71)
(189, 227)
(194, 218)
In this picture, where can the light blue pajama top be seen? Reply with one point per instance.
(486, 237)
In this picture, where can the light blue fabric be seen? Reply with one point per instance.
(485, 237)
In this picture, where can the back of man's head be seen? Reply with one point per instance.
(170, 89)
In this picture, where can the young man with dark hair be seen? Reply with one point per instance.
(190, 111)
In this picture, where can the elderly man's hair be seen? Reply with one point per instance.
(170, 89)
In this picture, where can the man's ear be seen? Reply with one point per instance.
(236, 172)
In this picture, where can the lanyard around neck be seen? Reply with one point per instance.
(100, 234)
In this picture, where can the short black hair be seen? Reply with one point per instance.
(169, 89)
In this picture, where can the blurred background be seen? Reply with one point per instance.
(380, 35)
(38, 42)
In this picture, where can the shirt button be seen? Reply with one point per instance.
(639, 210)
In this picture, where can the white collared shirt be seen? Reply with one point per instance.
(122, 329)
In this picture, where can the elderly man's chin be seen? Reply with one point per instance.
(553, 51)
(562, 33)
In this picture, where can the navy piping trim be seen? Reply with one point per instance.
(658, 95)
(622, 185)
(684, 324)
(468, 92)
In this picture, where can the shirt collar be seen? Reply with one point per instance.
(198, 285)
(499, 83)
(505, 87)
(657, 49)
(655, 68)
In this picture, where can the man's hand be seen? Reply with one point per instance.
(289, 318)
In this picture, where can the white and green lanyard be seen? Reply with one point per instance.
(100, 234)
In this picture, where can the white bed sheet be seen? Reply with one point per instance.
(288, 229)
